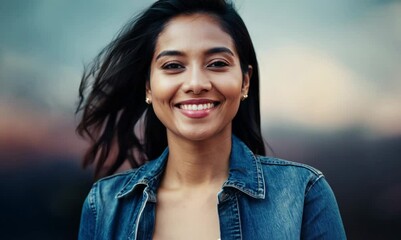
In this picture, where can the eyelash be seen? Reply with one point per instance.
(172, 66)
(176, 66)
(220, 64)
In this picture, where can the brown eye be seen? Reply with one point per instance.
(218, 64)
(172, 66)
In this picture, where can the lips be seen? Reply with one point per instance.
(197, 108)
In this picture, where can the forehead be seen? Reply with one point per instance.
(193, 32)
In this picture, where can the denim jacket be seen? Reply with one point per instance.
(263, 198)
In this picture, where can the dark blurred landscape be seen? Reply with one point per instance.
(42, 197)
(43, 200)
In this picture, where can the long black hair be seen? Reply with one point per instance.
(115, 116)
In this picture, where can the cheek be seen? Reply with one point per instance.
(230, 87)
(162, 89)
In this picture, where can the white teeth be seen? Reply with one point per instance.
(197, 107)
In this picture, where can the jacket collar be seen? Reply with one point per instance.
(245, 173)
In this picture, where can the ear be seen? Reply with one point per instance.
(148, 91)
(246, 80)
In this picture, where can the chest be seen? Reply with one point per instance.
(186, 218)
(235, 217)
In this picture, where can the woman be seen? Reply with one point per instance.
(179, 85)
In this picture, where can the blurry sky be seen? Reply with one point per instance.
(326, 66)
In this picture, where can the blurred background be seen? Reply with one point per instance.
(331, 95)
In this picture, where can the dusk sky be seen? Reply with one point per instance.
(326, 66)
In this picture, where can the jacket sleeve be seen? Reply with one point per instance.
(88, 217)
(321, 217)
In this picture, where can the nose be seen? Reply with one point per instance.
(197, 82)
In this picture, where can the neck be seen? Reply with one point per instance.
(195, 164)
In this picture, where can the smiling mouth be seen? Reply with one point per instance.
(198, 106)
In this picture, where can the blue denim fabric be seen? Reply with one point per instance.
(263, 198)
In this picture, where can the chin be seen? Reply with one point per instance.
(197, 136)
(200, 134)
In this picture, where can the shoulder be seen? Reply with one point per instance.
(115, 182)
(103, 205)
(287, 173)
(106, 189)
(121, 184)
(124, 183)
(285, 165)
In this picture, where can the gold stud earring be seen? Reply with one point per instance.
(148, 101)
(245, 96)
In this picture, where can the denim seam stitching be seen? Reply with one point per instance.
(289, 163)
(92, 204)
(239, 217)
(261, 178)
(313, 184)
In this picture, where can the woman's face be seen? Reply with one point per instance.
(196, 82)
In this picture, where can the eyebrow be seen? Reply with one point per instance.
(208, 52)
(169, 53)
(219, 50)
